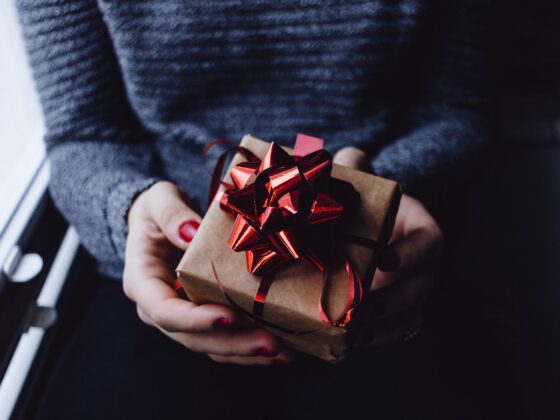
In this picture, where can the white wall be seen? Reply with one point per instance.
(21, 122)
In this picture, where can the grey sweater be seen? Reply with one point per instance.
(132, 90)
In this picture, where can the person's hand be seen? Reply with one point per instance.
(161, 225)
(405, 270)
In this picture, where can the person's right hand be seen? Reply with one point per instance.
(161, 225)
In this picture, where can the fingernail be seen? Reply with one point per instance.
(389, 262)
(188, 229)
(222, 323)
(282, 362)
(264, 351)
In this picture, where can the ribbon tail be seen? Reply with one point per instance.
(215, 143)
(216, 180)
(260, 297)
(355, 296)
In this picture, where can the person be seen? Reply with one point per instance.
(132, 91)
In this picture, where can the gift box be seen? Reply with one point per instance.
(310, 298)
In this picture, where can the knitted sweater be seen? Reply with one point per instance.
(132, 90)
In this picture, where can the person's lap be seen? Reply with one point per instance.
(116, 367)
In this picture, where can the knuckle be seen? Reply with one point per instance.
(169, 215)
(142, 315)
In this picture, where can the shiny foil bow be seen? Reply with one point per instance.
(286, 208)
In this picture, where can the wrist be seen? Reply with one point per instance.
(119, 202)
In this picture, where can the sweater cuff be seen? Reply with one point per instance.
(119, 201)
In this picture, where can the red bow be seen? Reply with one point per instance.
(286, 208)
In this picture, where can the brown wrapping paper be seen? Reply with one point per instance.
(293, 298)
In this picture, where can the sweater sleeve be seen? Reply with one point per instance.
(443, 134)
(98, 158)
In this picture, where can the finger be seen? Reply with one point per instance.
(354, 158)
(249, 342)
(283, 358)
(411, 292)
(162, 305)
(174, 217)
(383, 279)
(391, 329)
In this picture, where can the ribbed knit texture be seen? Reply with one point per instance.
(132, 90)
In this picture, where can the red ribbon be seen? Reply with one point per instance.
(288, 208)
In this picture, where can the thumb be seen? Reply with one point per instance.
(169, 210)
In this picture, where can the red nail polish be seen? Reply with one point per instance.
(222, 323)
(264, 351)
(282, 362)
(188, 229)
(389, 262)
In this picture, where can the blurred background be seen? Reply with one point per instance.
(510, 245)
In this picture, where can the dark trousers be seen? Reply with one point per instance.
(115, 367)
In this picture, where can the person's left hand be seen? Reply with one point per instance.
(405, 270)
